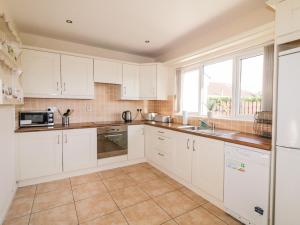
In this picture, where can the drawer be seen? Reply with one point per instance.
(161, 142)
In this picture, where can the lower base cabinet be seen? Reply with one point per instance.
(208, 166)
(79, 149)
(47, 153)
(38, 154)
(136, 142)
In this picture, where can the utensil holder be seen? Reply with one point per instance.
(65, 120)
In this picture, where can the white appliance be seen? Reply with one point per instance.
(287, 186)
(246, 184)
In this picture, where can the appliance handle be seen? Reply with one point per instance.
(113, 135)
(123, 115)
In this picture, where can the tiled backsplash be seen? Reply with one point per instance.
(106, 106)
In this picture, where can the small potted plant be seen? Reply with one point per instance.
(210, 107)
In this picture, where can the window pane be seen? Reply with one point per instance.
(190, 91)
(251, 85)
(217, 88)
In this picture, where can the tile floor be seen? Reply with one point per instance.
(132, 195)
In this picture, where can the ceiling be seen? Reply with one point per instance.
(123, 25)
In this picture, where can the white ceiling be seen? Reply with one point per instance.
(122, 25)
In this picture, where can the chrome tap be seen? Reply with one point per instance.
(210, 126)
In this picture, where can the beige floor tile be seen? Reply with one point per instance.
(221, 214)
(146, 165)
(129, 196)
(175, 203)
(52, 199)
(192, 195)
(145, 213)
(173, 182)
(143, 176)
(28, 191)
(170, 222)
(111, 173)
(135, 168)
(118, 182)
(62, 215)
(20, 207)
(115, 218)
(18, 221)
(54, 186)
(158, 172)
(87, 190)
(156, 187)
(94, 207)
(93, 177)
(198, 216)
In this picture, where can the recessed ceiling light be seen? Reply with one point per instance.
(69, 21)
(147, 41)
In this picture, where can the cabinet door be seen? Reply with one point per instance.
(136, 142)
(39, 154)
(182, 157)
(107, 72)
(147, 81)
(162, 87)
(77, 77)
(130, 84)
(79, 149)
(41, 74)
(208, 166)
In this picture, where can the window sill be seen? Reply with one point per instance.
(238, 118)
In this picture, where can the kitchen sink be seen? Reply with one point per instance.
(217, 132)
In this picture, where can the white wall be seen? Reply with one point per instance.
(60, 45)
(7, 158)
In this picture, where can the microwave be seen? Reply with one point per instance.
(36, 119)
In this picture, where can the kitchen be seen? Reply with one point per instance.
(119, 125)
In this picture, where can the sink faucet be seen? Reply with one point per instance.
(212, 126)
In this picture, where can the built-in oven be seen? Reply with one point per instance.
(36, 118)
(111, 141)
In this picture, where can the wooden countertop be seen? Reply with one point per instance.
(238, 138)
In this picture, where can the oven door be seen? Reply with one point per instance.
(111, 144)
(32, 119)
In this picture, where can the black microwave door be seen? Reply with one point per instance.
(35, 118)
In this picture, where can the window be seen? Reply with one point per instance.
(251, 76)
(217, 88)
(228, 87)
(190, 90)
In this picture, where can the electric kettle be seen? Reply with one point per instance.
(126, 116)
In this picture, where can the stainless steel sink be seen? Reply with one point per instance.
(217, 132)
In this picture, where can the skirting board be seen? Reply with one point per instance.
(63, 175)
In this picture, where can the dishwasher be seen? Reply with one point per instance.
(246, 184)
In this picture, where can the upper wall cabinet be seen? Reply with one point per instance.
(130, 83)
(107, 72)
(153, 82)
(52, 75)
(287, 20)
(41, 74)
(77, 77)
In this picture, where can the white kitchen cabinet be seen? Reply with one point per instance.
(153, 83)
(41, 74)
(130, 82)
(38, 154)
(147, 82)
(287, 20)
(79, 149)
(107, 72)
(136, 142)
(77, 77)
(183, 156)
(208, 166)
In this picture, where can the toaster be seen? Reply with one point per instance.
(163, 119)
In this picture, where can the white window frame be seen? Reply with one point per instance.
(236, 82)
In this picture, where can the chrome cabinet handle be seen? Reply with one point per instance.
(194, 146)
(58, 137)
(124, 89)
(162, 139)
(57, 88)
(188, 143)
(66, 138)
(161, 132)
(160, 154)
